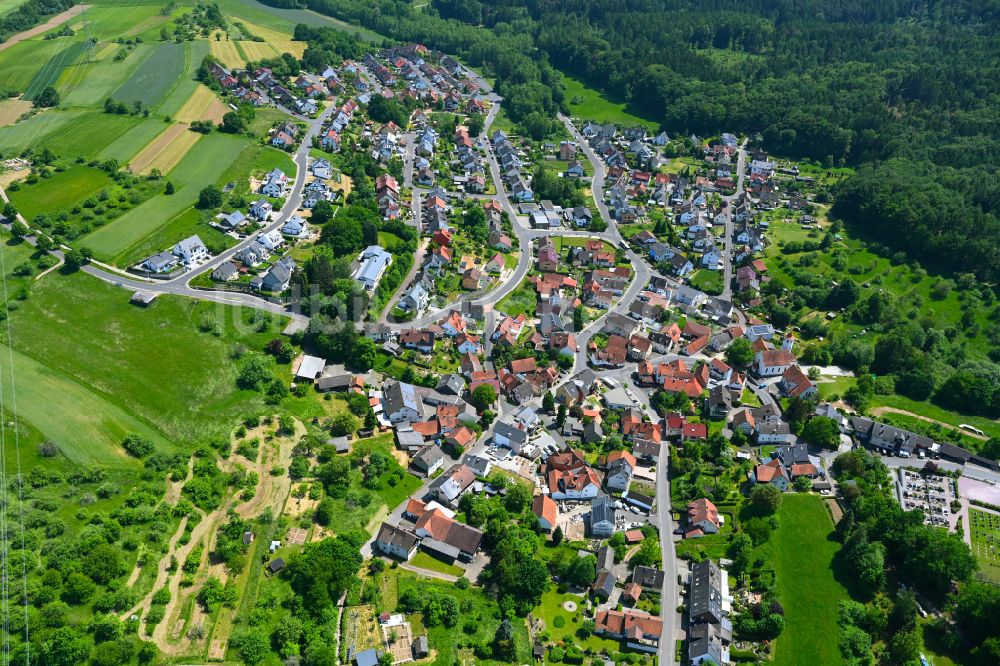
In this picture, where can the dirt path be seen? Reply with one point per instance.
(53, 22)
(161, 573)
(878, 411)
(171, 635)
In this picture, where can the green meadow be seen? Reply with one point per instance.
(203, 165)
(803, 549)
(588, 104)
(62, 190)
(155, 77)
(53, 69)
(99, 367)
(88, 134)
(127, 144)
(20, 63)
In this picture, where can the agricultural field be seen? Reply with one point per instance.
(102, 74)
(128, 144)
(164, 152)
(49, 74)
(204, 164)
(12, 109)
(194, 53)
(226, 52)
(19, 63)
(88, 135)
(202, 105)
(61, 191)
(155, 77)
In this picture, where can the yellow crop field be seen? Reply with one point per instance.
(166, 150)
(280, 41)
(12, 109)
(258, 50)
(225, 51)
(202, 105)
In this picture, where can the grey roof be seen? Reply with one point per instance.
(399, 395)
(515, 435)
(705, 639)
(397, 536)
(225, 271)
(705, 597)
(601, 510)
(648, 577)
(605, 557)
(427, 457)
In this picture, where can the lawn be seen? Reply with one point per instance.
(552, 607)
(984, 527)
(588, 104)
(153, 364)
(62, 190)
(155, 77)
(708, 281)
(203, 165)
(431, 563)
(521, 300)
(803, 549)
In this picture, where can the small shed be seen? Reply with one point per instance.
(276, 565)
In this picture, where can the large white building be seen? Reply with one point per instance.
(372, 264)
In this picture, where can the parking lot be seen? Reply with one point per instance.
(929, 492)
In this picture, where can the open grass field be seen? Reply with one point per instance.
(87, 426)
(62, 190)
(155, 77)
(153, 362)
(984, 528)
(12, 109)
(802, 549)
(708, 281)
(280, 40)
(588, 104)
(88, 134)
(7, 6)
(49, 74)
(128, 144)
(20, 62)
(204, 164)
(203, 105)
(227, 53)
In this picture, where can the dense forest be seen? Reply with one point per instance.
(860, 83)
